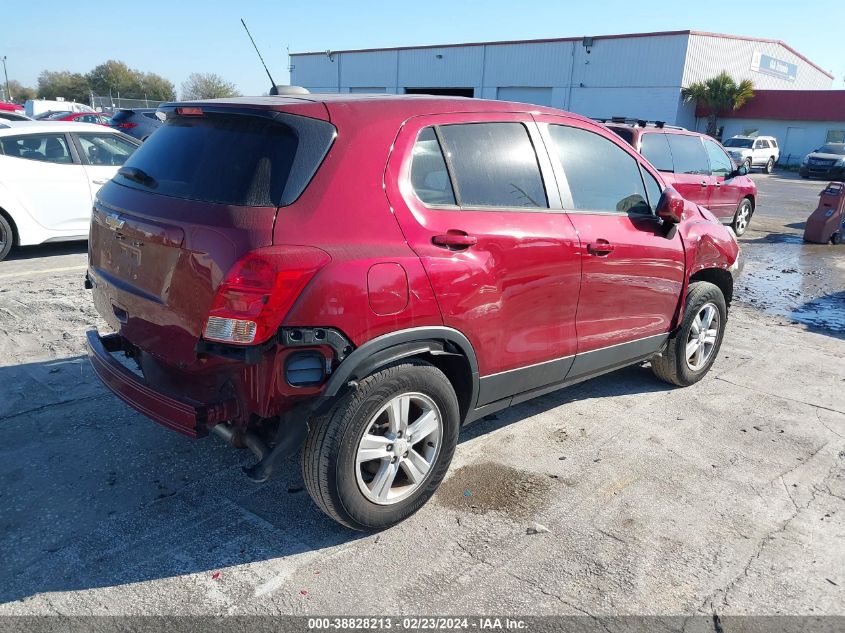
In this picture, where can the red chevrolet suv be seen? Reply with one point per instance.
(696, 166)
(355, 277)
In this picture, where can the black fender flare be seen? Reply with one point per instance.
(394, 346)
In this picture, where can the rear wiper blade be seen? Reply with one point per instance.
(139, 176)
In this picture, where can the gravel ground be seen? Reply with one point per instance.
(618, 496)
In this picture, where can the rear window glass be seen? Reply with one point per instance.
(230, 158)
(122, 115)
(625, 133)
(655, 148)
(738, 142)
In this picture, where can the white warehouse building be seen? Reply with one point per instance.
(637, 75)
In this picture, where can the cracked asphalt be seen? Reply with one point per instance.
(618, 496)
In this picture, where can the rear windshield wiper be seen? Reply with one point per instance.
(139, 176)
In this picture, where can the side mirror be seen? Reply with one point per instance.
(670, 207)
(742, 170)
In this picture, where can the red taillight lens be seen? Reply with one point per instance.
(188, 111)
(124, 126)
(258, 292)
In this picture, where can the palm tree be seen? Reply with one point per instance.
(718, 94)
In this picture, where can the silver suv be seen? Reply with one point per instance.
(754, 151)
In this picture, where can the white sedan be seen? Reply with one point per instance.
(50, 173)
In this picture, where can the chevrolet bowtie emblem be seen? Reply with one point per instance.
(115, 221)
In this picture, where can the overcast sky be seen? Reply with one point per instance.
(175, 39)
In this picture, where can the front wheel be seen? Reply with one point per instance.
(383, 448)
(742, 217)
(748, 165)
(7, 238)
(770, 165)
(836, 238)
(693, 347)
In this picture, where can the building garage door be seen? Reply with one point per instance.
(523, 94)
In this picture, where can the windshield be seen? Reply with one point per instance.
(739, 142)
(230, 158)
(832, 148)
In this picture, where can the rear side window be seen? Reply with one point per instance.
(429, 175)
(230, 159)
(48, 148)
(688, 154)
(494, 165)
(655, 148)
(601, 175)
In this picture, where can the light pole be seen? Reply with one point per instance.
(6, 74)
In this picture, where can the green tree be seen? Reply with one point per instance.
(207, 86)
(19, 92)
(65, 84)
(157, 88)
(115, 78)
(718, 94)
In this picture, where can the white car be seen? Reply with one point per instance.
(50, 173)
(754, 151)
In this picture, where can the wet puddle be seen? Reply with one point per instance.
(486, 487)
(804, 283)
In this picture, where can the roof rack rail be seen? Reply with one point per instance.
(638, 122)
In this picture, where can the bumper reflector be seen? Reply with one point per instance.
(229, 330)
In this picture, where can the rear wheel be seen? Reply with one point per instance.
(770, 165)
(748, 164)
(693, 347)
(7, 237)
(382, 450)
(836, 238)
(742, 216)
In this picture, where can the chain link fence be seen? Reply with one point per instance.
(117, 103)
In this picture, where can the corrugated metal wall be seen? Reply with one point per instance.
(708, 55)
(631, 76)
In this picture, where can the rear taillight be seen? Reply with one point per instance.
(124, 126)
(258, 292)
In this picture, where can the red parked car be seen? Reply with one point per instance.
(357, 277)
(79, 117)
(697, 166)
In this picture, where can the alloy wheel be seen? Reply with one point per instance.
(398, 448)
(743, 216)
(702, 337)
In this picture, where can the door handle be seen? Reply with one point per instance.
(101, 181)
(454, 239)
(600, 247)
(717, 183)
(703, 183)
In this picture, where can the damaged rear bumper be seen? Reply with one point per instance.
(178, 414)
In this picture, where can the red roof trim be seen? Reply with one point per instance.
(789, 105)
(578, 39)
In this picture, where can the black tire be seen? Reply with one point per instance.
(742, 217)
(328, 462)
(748, 164)
(770, 165)
(804, 176)
(836, 238)
(672, 364)
(7, 237)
